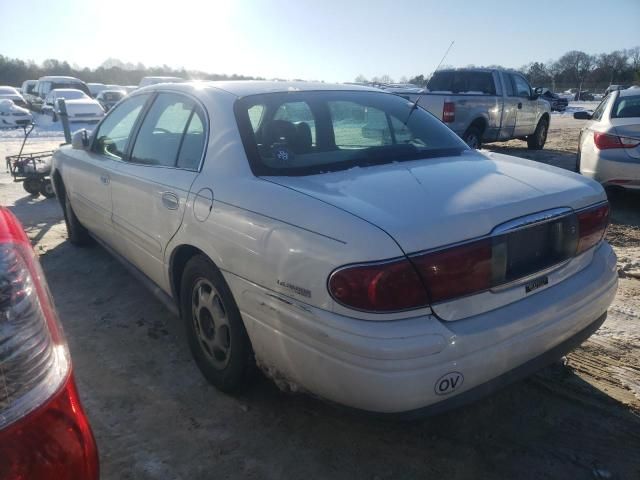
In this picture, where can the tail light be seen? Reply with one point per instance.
(448, 112)
(379, 287)
(467, 268)
(592, 225)
(43, 430)
(604, 141)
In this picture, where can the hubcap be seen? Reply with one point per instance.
(472, 141)
(211, 323)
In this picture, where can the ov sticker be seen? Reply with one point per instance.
(448, 383)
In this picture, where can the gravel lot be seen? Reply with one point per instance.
(155, 417)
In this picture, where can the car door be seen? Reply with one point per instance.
(87, 174)
(509, 108)
(151, 186)
(526, 108)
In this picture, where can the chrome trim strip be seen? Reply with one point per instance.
(532, 219)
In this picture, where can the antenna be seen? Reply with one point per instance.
(415, 104)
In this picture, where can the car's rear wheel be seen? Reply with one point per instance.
(76, 232)
(32, 186)
(46, 189)
(473, 137)
(539, 137)
(217, 338)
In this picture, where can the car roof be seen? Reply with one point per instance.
(60, 77)
(242, 88)
(629, 92)
(63, 90)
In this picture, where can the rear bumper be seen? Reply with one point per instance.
(401, 366)
(609, 171)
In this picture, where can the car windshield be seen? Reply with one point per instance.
(303, 133)
(626, 107)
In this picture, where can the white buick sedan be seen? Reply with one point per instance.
(344, 241)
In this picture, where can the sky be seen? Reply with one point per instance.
(330, 40)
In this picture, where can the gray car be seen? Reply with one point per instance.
(609, 145)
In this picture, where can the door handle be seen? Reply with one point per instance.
(105, 179)
(170, 200)
(519, 105)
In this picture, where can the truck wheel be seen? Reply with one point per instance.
(217, 338)
(473, 137)
(32, 186)
(539, 137)
(46, 189)
(76, 232)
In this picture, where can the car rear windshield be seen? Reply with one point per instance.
(462, 82)
(626, 107)
(77, 86)
(310, 132)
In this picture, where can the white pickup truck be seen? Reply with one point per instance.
(487, 105)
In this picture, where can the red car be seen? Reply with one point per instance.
(44, 432)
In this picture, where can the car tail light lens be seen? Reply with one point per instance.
(457, 271)
(381, 287)
(448, 112)
(604, 141)
(43, 430)
(592, 225)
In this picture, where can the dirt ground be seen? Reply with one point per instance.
(155, 417)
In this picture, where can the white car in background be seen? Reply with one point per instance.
(96, 88)
(12, 116)
(389, 271)
(80, 106)
(609, 145)
(11, 93)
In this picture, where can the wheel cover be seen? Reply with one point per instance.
(211, 323)
(473, 141)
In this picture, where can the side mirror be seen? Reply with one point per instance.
(538, 91)
(80, 140)
(582, 115)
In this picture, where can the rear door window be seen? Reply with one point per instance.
(520, 86)
(171, 134)
(113, 133)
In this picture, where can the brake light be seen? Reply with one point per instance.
(592, 225)
(448, 112)
(43, 429)
(381, 287)
(457, 271)
(604, 141)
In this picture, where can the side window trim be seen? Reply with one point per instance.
(133, 137)
(184, 133)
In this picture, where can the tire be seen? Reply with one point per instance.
(473, 137)
(78, 235)
(54, 117)
(578, 159)
(46, 188)
(32, 186)
(217, 338)
(539, 137)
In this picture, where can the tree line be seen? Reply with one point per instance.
(574, 69)
(14, 71)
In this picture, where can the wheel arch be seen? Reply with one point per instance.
(480, 123)
(178, 260)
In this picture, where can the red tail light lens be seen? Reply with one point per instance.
(39, 410)
(592, 225)
(605, 141)
(448, 112)
(383, 287)
(457, 271)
